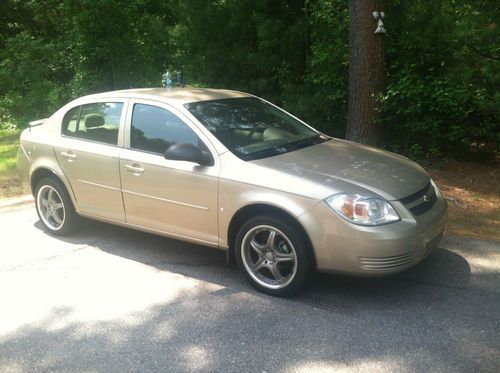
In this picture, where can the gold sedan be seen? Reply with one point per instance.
(230, 170)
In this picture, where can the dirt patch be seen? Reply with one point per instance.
(10, 186)
(473, 194)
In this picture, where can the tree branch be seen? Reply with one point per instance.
(482, 54)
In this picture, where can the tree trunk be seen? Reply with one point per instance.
(366, 72)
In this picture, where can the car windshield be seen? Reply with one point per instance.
(253, 129)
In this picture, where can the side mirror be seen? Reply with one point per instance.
(189, 153)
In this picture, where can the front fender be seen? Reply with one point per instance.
(234, 196)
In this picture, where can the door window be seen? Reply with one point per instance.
(95, 122)
(155, 129)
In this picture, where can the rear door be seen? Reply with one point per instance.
(88, 153)
(175, 197)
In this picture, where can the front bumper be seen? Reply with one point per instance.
(341, 246)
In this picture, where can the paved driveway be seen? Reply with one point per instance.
(111, 299)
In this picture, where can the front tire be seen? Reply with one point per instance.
(54, 207)
(272, 255)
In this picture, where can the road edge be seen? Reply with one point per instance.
(14, 202)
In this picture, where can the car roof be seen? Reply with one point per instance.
(178, 96)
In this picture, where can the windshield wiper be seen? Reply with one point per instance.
(264, 153)
(283, 148)
(302, 143)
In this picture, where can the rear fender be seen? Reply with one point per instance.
(49, 163)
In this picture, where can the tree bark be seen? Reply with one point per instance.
(366, 72)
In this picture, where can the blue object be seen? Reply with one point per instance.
(167, 80)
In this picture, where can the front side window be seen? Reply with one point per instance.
(252, 128)
(95, 122)
(155, 129)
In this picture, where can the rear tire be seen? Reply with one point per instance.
(272, 255)
(54, 207)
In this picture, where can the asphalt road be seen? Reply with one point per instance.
(115, 300)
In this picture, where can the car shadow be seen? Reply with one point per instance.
(418, 319)
(442, 268)
(413, 287)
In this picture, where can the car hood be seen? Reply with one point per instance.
(389, 175)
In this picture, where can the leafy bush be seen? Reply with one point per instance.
(443, 69)
(425, 112)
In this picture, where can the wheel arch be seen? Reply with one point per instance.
(256, 209)
(43, 172)
(39, 174)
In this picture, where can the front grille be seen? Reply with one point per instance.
(422, 201)
(425, 205)
(386, 263)
(415, 196)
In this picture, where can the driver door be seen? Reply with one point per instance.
(174, 197)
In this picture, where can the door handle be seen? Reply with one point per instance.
(69, 155)
(135, 169)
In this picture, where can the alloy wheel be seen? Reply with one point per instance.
(269, 257)
(51, 207)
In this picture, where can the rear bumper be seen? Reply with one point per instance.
(341, 246)
(23, 168)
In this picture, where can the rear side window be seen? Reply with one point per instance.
(95, 122)
(155, 129)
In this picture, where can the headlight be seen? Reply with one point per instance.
(362, 210)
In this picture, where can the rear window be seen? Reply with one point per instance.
(97, 122)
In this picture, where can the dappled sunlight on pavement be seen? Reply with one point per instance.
(112, 299)
(364, 365)
(95, 285)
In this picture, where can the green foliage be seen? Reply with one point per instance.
(426, 111)
(9, 142)
(55, 50)
(443, 74)
(443, 60)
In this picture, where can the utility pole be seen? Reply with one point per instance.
(366, 70)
